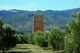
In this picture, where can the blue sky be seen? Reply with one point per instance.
(39, 4)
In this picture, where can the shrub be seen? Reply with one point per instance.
(38, 38)
(7, 38)
(56, 39)
(41, 39)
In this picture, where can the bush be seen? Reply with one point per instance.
(41, 39)
(21, 38)
(7, 37)
(38, 38)
(30, 38)
(56, 39)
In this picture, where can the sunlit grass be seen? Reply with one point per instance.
(33, 48)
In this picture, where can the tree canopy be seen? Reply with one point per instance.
(7, 38)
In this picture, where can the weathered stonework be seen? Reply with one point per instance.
(37, 23)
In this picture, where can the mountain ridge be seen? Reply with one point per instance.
(22, 19)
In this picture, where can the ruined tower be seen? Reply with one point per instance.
(37, 23)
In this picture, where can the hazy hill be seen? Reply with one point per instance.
(22, 19)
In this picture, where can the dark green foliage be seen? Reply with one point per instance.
(21, 38)
(41, 39)
(38, 38)
(72, 38)
(7, 38)
(1, 23)
(31, 38)
(56, 39)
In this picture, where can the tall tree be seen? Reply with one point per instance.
(1, 23)
(56, 39)
(7, 38)
(72, 39)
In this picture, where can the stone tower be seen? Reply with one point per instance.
(37, 23)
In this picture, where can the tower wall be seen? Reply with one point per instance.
(37, 23)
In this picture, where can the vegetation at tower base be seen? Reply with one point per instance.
(41, 39)
(53, 38)
(56, 39)
(72, 39)
(38, 38)
(7, 38)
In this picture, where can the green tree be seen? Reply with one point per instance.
(31, 38)
(1, 23)
(22, 38)
(56, 39)
(41, 39)
(72, 38)
(38, 38)
(7, 38)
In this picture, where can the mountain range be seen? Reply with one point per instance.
(23, 19)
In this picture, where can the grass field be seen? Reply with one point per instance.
(33, 48)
